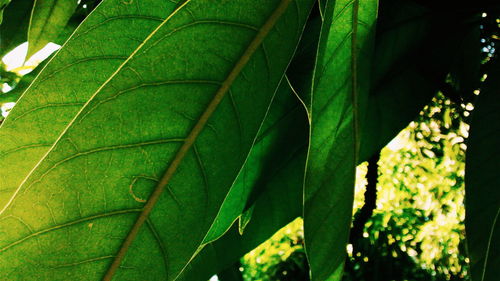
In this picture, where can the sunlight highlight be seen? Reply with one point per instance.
(15, 60)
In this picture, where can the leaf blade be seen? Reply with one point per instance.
(481, 182)
(339, 88)
(147, 150)
(14, 27)
(193, 134)
(48, 20)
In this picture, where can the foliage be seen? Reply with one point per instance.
(417, 230)
(171, 137)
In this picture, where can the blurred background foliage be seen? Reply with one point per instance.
(416, 231)
(409, 226)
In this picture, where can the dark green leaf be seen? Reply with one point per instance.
(482, 184)
(3, 4)
(408, 68)
(14, 29)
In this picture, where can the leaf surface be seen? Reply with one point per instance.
(48, 20)
(96, 130)
(278, 204)
(482, 184)
(340, 84)
(283, 133)
(14, 28)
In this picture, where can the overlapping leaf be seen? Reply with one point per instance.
(482, 184)
(48, 20)
(95, 131)
(340, 85)
(279, 196)
(408, 67)
(14, 28)
(282, 134)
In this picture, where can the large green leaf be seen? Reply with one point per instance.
(482, 184)
(14, 28)
(48, 20)
(110, 112)
(341, 83)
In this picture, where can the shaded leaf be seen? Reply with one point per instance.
(109, 120)
(14, 28)
(482, 184)
(341, 84)
(408, 67)
(3, 4)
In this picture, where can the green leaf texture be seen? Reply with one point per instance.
(283, 133)
(99, 126)
(340, 85)
(278, 204)
(48, 19)
(482, 184)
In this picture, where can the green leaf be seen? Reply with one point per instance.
(283, 132)
(3, 4)
(270, 183)
(112, 110)
(278, 204)
(341, 83)
(48, 20)
(14, 28)
(482, 184)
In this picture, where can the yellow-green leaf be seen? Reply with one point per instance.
(142, 87)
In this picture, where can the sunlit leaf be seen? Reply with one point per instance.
(26, 80)
(48, 20)
(91, 137)
(341, 84)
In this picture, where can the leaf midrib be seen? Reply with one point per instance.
(189, 141)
